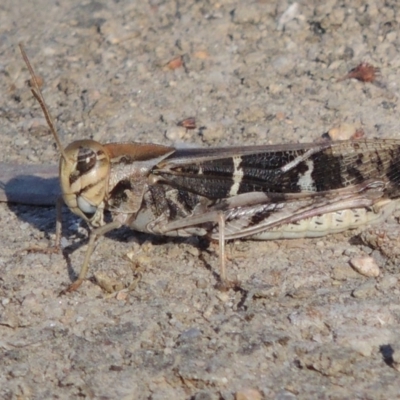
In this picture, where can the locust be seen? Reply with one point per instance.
(265, 192)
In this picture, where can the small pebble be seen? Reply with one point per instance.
(223, 296)
(343, 272)
(365, 266)
(175, 133)
(194, 251)
(343, 132)
(188, 123)
(5, 301)
(23, 226)
(280, 116)
(201, 283)
(175, 63)
(122, 295)
(202, 55)
(291, 13)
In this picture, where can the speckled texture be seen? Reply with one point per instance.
(304, 324)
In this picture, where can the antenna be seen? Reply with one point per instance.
(37, 93)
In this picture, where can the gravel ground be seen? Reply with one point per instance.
(304, 324)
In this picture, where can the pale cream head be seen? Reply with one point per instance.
(84, 172)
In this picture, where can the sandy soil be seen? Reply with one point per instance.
(304, 324)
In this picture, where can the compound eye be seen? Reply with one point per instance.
(86, 160)
(85, 207)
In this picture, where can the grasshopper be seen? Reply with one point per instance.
(263, 192)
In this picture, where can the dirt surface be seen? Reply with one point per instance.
(304, 324)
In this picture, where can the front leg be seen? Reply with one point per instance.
(94, 234)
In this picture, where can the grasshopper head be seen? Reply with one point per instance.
(84, 166)
(84, 172)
